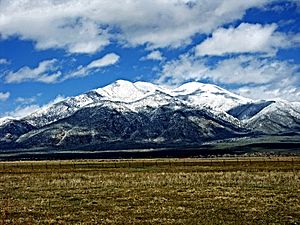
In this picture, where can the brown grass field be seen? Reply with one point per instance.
(177, 191)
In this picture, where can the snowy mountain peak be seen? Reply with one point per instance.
(124, 91)
(212, 96)
(189, 88)
(149, 87)
(139, 95)
(194, 87)
(195, 93)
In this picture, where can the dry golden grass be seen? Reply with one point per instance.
(265, 191)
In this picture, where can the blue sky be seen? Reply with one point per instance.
(52, 49)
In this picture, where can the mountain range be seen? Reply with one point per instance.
(126, 115)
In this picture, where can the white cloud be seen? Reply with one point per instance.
(246, 38)
(22, 111)
(79, 27)
(4, 96)
(237, 70)
(251, 70)
(107, 60)
(183, 69)
(290, 93)
(250, 73)
(25, 100)
(45, 72)
(154, 55)
(48, 71)
(81, 36)
(4, 61)
(57, 99)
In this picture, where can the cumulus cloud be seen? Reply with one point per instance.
(154, 55)
(49, 72)
(45, 72)
(249, 73)
(251, 70)
(4, 96)
(79, 27)
(237, 70)
(107, 60)
(183, 69)
(246, 38)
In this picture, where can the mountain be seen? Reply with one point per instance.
(277, 117)
(139, 95)
(109, 126)
(126, 115)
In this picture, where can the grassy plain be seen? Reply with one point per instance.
(177, 191)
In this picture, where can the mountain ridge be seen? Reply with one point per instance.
(146, 114)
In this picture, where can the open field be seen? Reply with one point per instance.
(177, 191)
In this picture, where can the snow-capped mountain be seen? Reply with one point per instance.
(125, 114)
(279, 116)
(199, 94)
(138, 95)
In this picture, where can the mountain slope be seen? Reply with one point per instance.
(11, 130)
(246, 111)
(278, 117)
(199, 94)
(192, 94)
(101, 126)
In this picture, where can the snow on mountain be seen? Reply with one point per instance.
(127, 96)
(5, 120)
(103, 127)
(138, 95)
(280, 116)
(120, 91)
(62, 109)
(282, 108)
(209, 95)
(193, 93)
(125, 113)
(126, 91)
(248, 110)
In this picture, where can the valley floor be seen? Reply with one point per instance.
(178, 191)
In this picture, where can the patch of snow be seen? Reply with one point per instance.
(125, 91)
(5, 120)
(281, 107)
(212, 96)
